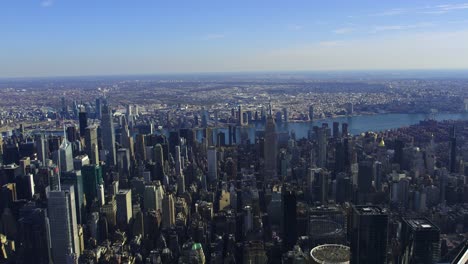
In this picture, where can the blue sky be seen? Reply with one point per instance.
(93, 37)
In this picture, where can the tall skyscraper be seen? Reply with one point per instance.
(124, 207)
(240, 116)
(289, 217)
(420, 241)
(270, 149)
(41, 147)
(368, 227)
(322, 147)
(63, 224)
(108, 133)
(311, 113)
(453, 151)
(168, 211)
(83, 120)
(91, 144)
(92, 178)
(98, 108)
(212, 165)
(140, 147)
(64, 156)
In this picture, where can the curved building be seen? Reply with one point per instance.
(330, 254)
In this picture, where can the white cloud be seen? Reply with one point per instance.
(378, 29)
(392, 12)
(449, 7)
(47, 3)
(429, 10)
(344, 30)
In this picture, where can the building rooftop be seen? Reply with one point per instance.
(331, 253)
(420, 224)
(369, 210)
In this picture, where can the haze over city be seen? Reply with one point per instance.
(72, 38)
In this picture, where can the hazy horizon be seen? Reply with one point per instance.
(63, 38)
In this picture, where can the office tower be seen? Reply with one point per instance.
(212, 164)
(158, 157)
(124, 207)
(123, 162)
(149, 198)
(285, 115)
(109, 210)
(64, 156)
(76, 179)
(33, 236)
(270, 149)
(240, 116)
(311, 113)
(71, 134)
(80, 161)
(140, 147)
(83, 121)
(168, 211)
(378, 174)
(92, 178)
(340, 164)
(368, 234)
(98, 108)
(289, 217)
(178, 162)
(365, 176)
(278, 118)
(453, 151)
(336, 129)
(398, 156)
(63, 224)
(322, 147)
(108, 134)
(91, 144)
(344, 129)
(221, 139)
(126, 140)
(420, 241)
(349, 108)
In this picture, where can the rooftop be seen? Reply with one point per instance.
(369, 210)
(420, 224)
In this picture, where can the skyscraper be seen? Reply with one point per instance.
(420, 241)
(98, 108)
(289, 217)
(63, 224)
(83, 120)
(91, 144)
(64, 156)
(108, 134)
(124, 207)
(453, 151)
(168, 211)
(212, 165)
(322, 147)
(368, 234)
(240, 116)
(270, 149)
(92, 178)
(311, 113)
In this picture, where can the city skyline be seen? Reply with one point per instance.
(61, 38)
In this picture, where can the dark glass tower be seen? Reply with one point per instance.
(289, 221)
(420, 241)
(108, 134)
(83, 119)
(368, 234)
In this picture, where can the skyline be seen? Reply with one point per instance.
(61, 38)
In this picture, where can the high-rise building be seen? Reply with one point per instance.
(42, 149)
(368, 234)
(91, 144)
(270, 149)
(168, 211)
(420, 241)
(336, 129)
(322, 147)
(92, 178)
(124, 207)
(64, 156)
(311, 113)
(453, 151)
(76, 179)
(98, 108)
(240, 116)
(149, 198)
(108, 134)
(140, 147)
(83, 120)
(212, 164)
(289, 217)
(63, 224)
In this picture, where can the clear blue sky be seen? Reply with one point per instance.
(93, 37)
